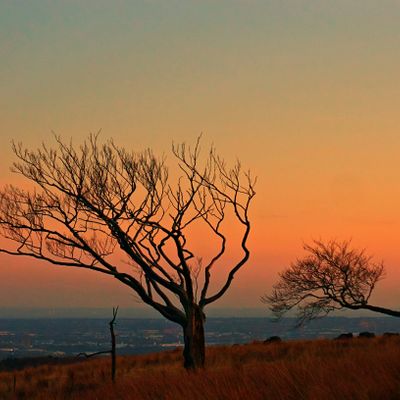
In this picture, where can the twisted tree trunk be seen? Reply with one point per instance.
(194, 341)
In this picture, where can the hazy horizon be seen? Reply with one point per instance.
(147, 312)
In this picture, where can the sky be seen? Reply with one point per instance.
(305, 93)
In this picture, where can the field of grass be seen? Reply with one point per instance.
(322, 369)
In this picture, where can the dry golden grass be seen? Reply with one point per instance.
(328, 370)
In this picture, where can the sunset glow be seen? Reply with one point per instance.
(304, 93)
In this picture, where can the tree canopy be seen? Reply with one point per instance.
(331, 276)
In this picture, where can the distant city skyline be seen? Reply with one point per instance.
(67, 337)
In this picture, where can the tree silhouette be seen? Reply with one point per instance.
(332, 276)
(112, 351)
(92, 204)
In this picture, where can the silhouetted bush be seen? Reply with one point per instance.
(273, 339)
(344, 336)
(366, 335)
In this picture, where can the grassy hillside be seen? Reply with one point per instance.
(328, 370)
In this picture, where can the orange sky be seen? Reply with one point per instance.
(305, 93)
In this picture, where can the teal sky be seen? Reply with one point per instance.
(179, 67)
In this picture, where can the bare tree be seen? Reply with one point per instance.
(112, 351)
(332, 276)
(93, 204)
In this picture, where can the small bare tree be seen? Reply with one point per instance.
(94, 203)
(112, 351)
(332, 276)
